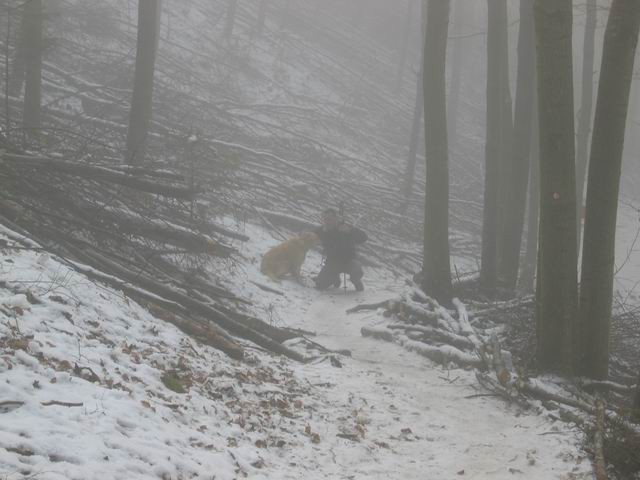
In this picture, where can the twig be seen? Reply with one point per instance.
(61, 404)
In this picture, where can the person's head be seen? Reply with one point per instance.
(330, 218)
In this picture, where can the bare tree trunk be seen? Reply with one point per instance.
(404, 45)
(457, 50)
(33, 66)
(410, 169)
(621, 37)
(418, 110)
(232, 6)
(436, 267)
(529, 266)
(16, 77)
(586, 108)
(557, 290)
(262, 15)
(517, 165)
(499, 126)
(142, 101)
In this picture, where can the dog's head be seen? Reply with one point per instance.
(309, 239)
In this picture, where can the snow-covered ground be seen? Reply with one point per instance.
(383, 413)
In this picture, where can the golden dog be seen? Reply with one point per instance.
(288, 257)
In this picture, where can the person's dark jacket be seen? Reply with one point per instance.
(340, 246)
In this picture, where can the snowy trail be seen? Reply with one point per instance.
(418, 411)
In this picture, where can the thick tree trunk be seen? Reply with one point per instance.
(141, 103)
(517, 165)
(437, 267)
(499, 126)
(33, 66)
(586, 108)
(232, 6)
(557, 292)
(621, 37)
(531, 254)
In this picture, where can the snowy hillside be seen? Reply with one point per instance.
(93, 386)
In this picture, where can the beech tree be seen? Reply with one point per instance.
(516, 166)
(141, 103)
(605, 163)
(499, 126)
(436, 266)
(586, 106)
(557, 289)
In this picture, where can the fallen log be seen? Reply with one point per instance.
(203, 332)
(379, 333)
(443, 354)
(463, 343)
(163, 232)
(99, 173)
(209, 312)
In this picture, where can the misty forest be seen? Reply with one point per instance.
(319, 239)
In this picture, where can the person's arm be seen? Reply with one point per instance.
(358, 235)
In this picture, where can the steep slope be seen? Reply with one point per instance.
(94, 386)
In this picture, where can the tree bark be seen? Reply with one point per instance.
(556, 293)
(436, 267)
(33, 66)
(517, 165)
(141, 103)
(529, 266)
(586, 108)
(499, 125)
(621, 37)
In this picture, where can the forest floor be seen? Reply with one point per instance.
(133, 397)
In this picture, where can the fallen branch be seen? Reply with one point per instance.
(61, 404)
(99, 173)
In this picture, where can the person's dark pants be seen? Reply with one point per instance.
(330, 274)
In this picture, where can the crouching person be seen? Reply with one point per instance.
(339, 241)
